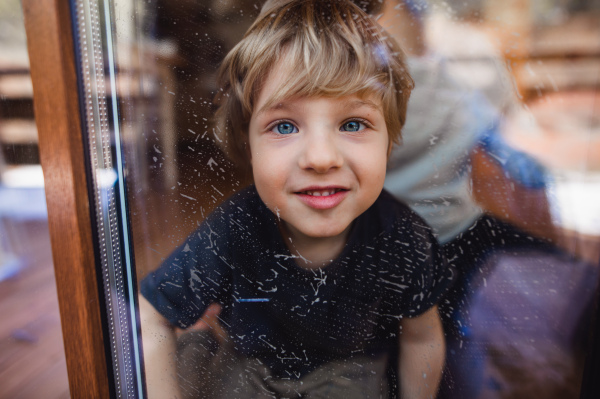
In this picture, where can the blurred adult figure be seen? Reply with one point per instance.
(431, 171)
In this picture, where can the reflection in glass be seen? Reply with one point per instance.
(499, 155)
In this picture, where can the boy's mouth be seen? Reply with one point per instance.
(322, 198)
(321, 192)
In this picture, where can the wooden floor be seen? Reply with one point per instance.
(32, 360)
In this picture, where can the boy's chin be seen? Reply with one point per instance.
(319, 231)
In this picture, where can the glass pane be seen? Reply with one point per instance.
(499, 155)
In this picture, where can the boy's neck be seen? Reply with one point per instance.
(313, 252)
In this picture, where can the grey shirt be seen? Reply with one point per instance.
(430, 171)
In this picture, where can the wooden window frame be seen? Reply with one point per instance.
(50, 42)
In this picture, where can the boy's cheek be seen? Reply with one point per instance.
(377, 167)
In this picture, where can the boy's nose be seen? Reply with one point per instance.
(320, 154)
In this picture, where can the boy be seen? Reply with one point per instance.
(321, 275)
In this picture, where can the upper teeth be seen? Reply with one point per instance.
(321, 193)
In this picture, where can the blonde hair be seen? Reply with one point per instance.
(333, 48)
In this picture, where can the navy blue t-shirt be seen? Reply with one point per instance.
(295, 319)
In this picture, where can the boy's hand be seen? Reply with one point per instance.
(422, 354)
(210, 321)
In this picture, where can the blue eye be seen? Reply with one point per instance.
(285, 128)
(352, 126)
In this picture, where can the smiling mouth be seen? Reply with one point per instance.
(322, 193)
(322, 198)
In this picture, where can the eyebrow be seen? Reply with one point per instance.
(273, 107)
(352, 105)
(361, 103)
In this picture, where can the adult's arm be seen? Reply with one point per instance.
(159, 343)
(422, 355)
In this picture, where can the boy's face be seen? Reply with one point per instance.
(318, 162)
